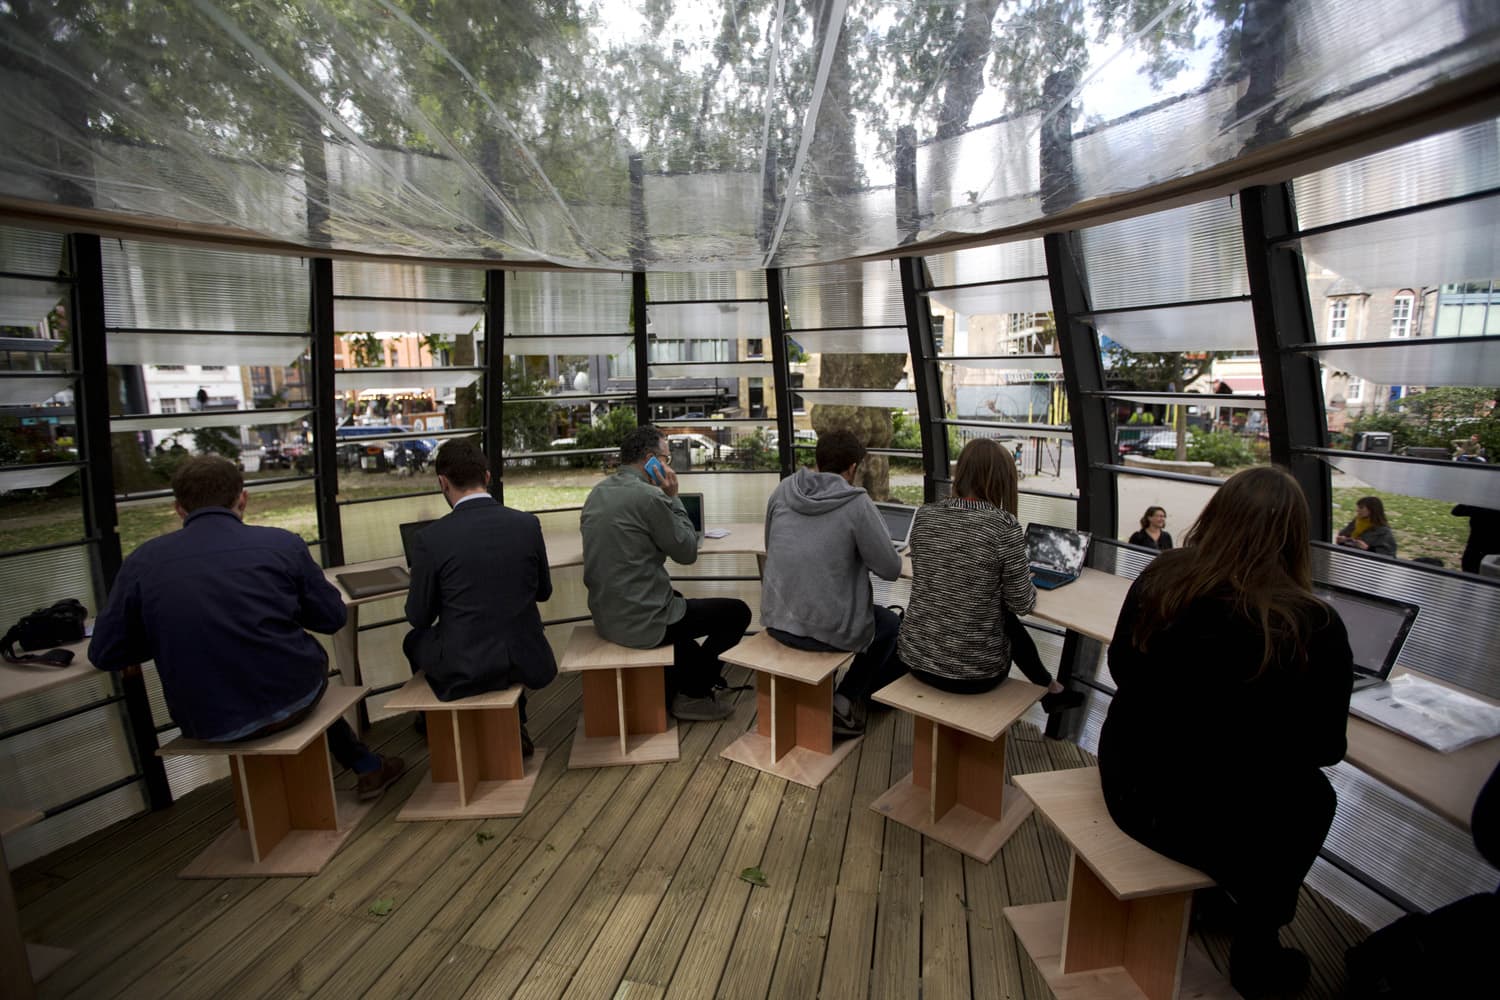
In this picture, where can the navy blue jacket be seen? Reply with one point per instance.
(221, 606)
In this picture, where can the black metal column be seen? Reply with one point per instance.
(786, 428)
(1283, 317)
(494, 380)
(642, 344)
(90, 354)
(929, 378)
(325, 448)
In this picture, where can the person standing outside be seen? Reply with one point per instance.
(824, 538)
(631, 522)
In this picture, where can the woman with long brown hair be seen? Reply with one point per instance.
(970, 581)
(1231, 692)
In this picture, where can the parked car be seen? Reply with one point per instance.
(1150, 442)
(702, 449)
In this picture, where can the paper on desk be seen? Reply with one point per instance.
(1429, 713)
(716, 533)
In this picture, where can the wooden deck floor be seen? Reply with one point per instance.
(620, 882)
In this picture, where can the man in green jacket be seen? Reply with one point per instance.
(631, 522)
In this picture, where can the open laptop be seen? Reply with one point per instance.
(1056, 554)
(1377, 628)
(898, 518)
(693, 504)
(409, 536)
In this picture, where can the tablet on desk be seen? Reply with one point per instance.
(370, 583)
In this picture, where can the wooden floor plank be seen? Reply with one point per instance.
(994, 959)
(896, 964)
(945, 927)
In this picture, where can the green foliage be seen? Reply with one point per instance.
(754, 451)
(1224, 449)
(608, 431)
(164, 463)
(1435, 419)
(365, 350)
(216, 440)
(906, 434)
(524, 426)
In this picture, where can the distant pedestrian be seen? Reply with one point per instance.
(202, 398)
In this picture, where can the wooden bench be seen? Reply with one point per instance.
(291, 820)
(22, 965)
(624, 702)
(1123, 930)
(793, 735)
(476, 769)
(955, 793)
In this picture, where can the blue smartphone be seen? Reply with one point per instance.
(654, 469)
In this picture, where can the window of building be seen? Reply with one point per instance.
(755, 348)
(1356, 391)
(168, 368)
(213, 368)
(1338, 319)
(1401, 316)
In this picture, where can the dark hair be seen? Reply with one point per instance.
(837, 450)
(1376, 507)
(639, 443)
(1146, 517)
(987, 471)
(1250, 547)
(461, 463)
(207, 481)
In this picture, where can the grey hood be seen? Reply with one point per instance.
(817, 493)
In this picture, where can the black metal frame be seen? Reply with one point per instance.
(325, 447)
(929, 379)
(781, 372)
(642, 345)
(493, 380)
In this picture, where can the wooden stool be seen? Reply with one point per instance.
(475, 765)
(291, 819)
(624, 702)
(793, 735)
(955, 793)
(21, 964)
(1123, 930)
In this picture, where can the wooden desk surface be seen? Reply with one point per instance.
(17, 680)
(1446, 783)
(12, 820)
(1089, 605)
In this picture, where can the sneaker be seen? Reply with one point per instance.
(708, 708)
(528, 748)
(371, 785)
(850, 723)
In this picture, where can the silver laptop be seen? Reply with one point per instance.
(693, 504)
(1055, 554)
(898, 518)
(1377, 628)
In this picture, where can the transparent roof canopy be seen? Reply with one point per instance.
(686, 135)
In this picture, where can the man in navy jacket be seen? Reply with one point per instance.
(476, 578)
(222, 607)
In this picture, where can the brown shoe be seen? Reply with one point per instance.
(371, 785)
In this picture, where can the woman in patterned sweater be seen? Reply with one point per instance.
(970, 581)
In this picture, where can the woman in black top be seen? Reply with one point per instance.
(1153, 534)
(1232, 691)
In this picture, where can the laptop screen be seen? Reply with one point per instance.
(1377, 626)
(897, 518)
(693, 504)
(1060, 550)
(408, 536)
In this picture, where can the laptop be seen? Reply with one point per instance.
(390, 580)
(693, 504)
(1377, 628)
(1056, 554)
(898, 518)
(409, 532)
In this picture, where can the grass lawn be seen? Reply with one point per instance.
(1422, 527)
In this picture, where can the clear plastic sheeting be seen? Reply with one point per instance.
(1464, 361)
(181, 348)
(1215, 326)
(1447, 165)
(24, 302)
(155, 286)
(983, 300)
(1451, 243)
(408, 316)
(1455, 482)
(998, 262)
(21, 389)
(1180, 255)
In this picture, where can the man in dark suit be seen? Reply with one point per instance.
(476, 578)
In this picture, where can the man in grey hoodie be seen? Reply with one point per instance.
(824, 538)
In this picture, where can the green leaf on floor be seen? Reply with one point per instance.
(382, 906)
(755, 877)
(482, 836)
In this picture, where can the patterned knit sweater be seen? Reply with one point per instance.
(968, 567)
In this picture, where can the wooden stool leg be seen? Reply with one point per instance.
(645, 700)
(945, 778)
(981, 774)
(466, 749)
(1146, 936)
(783, 718)
(442, 758)
(308, 780)
(499, 743)
(265, 804)
(813, 713)
(601, 710)
(763, 704)
(922, 731)
(240, 812)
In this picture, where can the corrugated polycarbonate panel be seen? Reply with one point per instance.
(713, 369)
(1180, 255)
(1456, 637)
(208, 418)
(999, 262)
(1353, 897)
(983, 178)
(705, 286)
(1470, 361)
(38, 579)
(395, 378)
(871, 340)
(133, 348)
(62, 697)
(716, 216)
(1020, 364)
(732, 499)
(373, 530)
(56, 763)
(844, 295)
(407, 281)
(24, 302)
(1447, 165)
(24, 251)
(152, 285)
(387, 316)
(982, 300)
(59, 831)
(25, 478)
(1456, 482)
(1042, 509)
(708, 321)
(1214, 326)
(567, 346)
(896, 399)
(549, 302)
(18, 389)
(1448, 244)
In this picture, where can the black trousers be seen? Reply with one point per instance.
(421, 649)
(871, 669)
(720, 622)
